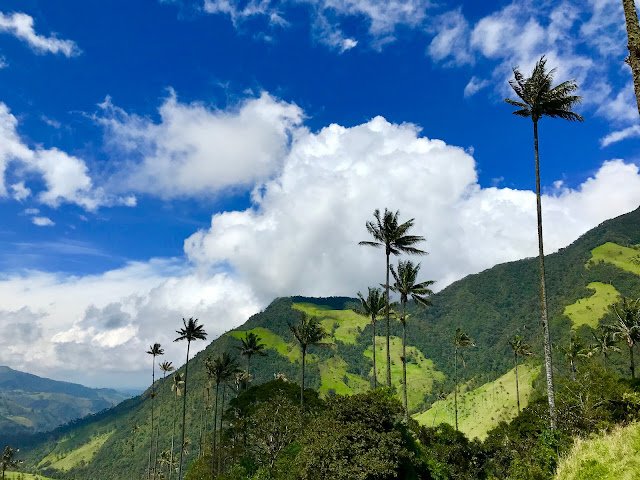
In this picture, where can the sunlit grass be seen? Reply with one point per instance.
(483, 408)
(589, 311)
(24, 476)
(622, 257)
(65, 461)
(346, 325)
(615, 456)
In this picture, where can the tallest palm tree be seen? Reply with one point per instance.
(154, 350)
(390, 234)
(538, 98)
(633, 37)
(190, 332)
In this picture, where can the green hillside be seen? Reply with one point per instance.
(491, 306)
(29, 403)
(481, 409)
(614, 456)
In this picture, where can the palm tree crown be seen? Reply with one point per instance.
(389, 233)
(604, 343)
(166, 367)
(406, 283)
(155, 350)
(191, 331)
(538, 98)
(627, 326)
(308, 331)
(251, 345)
(519, 347)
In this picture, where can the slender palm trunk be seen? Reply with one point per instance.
(455, 391)
(572, 364)
(224, 388)
(404, 369)
(215, 430)
(515, 360)
(632, 365)
(248, 364)
(304, 355)
(201, 428)
(633, 36)
(155, 458)
(375, 367)
(548, 362)
(386, 288)
(173, 433)
(184, 411)
(153, 387)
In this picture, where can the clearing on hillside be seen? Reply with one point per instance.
(65, 461)
(343, 325)
(622, 257)
(483, 408)
(589, 311)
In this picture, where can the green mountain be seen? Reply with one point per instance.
(29, 403)
(490, 306)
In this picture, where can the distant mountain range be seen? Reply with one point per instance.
(30, 404)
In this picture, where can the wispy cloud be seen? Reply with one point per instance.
(619, 135)
(43, 221)
(21, 26)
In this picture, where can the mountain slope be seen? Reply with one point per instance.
(29, 403)
(491, 306)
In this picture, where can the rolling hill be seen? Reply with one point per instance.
(30, 404)
(491, 306)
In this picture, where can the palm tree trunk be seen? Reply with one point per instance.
(548, 362)
(375, 367)
(215, 430)
(573, 369)
(455, 391)
(515, 358)
(173, 434)
(201, 425)
(220, 438)
(404, 370)
(184, 411)
(155, 458)
(248, 365)
(304, 354)
(633, 36)
(632, 365)
(153, 383)
(386, 288)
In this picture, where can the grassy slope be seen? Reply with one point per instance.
(345, 325)
(421, 372)
(481, 409)
(589, 310)
(272, 341)
(68, 460)
(626, 258)
(24, 476)
(615, 456)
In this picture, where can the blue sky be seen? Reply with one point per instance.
(129, 127)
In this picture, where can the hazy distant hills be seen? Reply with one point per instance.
(29, 403)
(491, 306)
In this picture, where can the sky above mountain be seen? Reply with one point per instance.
(162, 159)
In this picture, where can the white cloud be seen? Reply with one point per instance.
(475, 85)
(43, 221)
(309, 245)
(382, 16)
(20, 192)
(100, 337)
(619, 135)
(22, 26)
(300, 237)
(65, 177)
(451, 40)
(195, 150)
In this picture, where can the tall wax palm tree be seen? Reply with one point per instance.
(520, 349)
(604, 343)
(390, 234)
(251, 345)
(372, 306)
(190, 332)
(165, 368)
(627, 326)
(154, 350)
(8, 460)
(307, 332)
(407, 285)
(633, 37)
(221, 369)
(461, 340)
(177, 388)
(539, 98)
